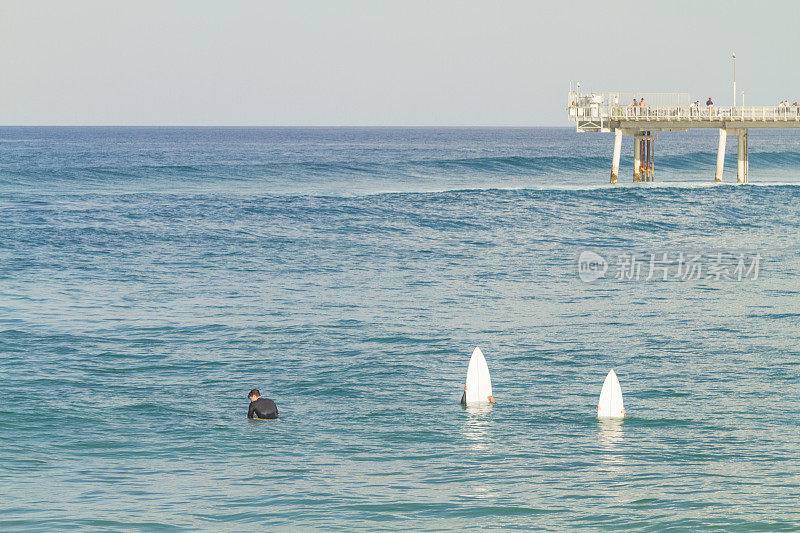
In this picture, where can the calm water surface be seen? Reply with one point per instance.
(149, 278)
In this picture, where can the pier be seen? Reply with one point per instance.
(654, 113)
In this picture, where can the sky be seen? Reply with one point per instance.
(378, 62)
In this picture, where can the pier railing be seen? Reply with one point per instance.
(699, 113)
(602, 113)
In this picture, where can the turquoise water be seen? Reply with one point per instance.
(149, 278)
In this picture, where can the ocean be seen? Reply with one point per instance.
(150, 277)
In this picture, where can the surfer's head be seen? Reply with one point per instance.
(254, 395)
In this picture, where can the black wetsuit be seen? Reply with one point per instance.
(262, 408)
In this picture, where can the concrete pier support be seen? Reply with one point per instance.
(617, 154)
(649, 155)
(723, 136)
(743, 165)
(637, 157)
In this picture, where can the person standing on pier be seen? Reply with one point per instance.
(710, 106)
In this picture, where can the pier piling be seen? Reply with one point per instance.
(743, 164)
(723, 135)
(617, 153)
(637, 157)
(650, 150)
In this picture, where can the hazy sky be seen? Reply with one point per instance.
(407, 62)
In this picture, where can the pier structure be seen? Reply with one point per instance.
(644, 115)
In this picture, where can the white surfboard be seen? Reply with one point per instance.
(478, 387)
(610, 404)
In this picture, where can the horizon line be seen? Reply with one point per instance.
(319, 126)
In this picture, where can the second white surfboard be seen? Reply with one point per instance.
(478, 388)
(610, 404)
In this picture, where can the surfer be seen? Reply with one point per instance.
(261, 407)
